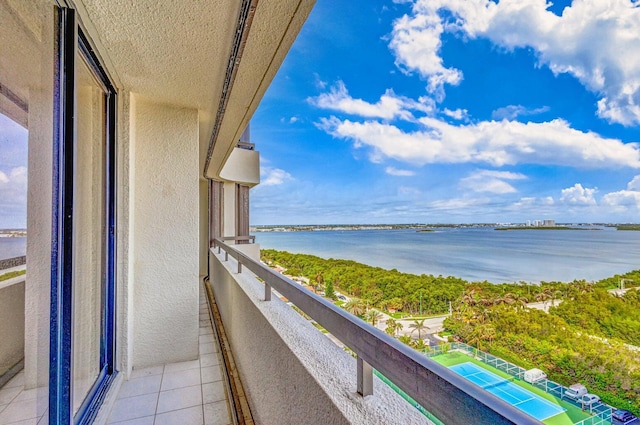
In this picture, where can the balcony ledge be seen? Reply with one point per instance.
(291, 371)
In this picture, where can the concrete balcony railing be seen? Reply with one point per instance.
(292, 373)
(12, 320)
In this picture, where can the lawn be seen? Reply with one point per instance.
(571, 416)
(9, 275)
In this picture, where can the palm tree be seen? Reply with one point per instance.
(419, 344)
(393, 327)
(319, 282)
(418, 325)
(390, 329)
(373, 316)
(405, 339)
(399, 326)
(355, 306)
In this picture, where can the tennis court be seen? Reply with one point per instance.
(525, 400)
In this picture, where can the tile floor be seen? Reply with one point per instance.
(186, 393)
(22, 407)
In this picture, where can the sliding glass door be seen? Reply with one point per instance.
(83, 287)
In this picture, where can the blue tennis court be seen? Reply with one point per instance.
(530, 403)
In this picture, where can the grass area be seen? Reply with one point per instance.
(400, 315)
(628, 227)
(571, 416)
(11, 275)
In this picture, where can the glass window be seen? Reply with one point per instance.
(89, 236)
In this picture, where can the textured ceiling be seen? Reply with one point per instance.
(176, 52)
(170, 51)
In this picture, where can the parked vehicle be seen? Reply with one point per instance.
(534, 375)
(589, 400)
(575, 391)
(624, 417)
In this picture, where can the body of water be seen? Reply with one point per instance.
(12, 247)
(475, 254)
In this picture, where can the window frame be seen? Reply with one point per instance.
(70, 40)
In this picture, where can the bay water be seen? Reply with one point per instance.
(475, 254)
(12, 247)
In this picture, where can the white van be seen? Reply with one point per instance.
(534, 375)
(575, 391)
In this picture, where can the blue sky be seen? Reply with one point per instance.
(13, 174)
(440, 111)
(453, 111)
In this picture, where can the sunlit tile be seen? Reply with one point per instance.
(211, 374)
(189, 416)
(180, 398)
(147, 420)
(216, 413)
(174, 367)
(21, 411)
(209, 360)
(180, 379)
(8, 394)
(134, 407)
(213, 392)
(147, 371)
(139, 386)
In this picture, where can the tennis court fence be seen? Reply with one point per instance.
(601, 412)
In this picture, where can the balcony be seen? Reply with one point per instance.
(294, 374)
(11, 320)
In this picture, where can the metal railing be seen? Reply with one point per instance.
(9, 263)
(447, 395)
(250, 238)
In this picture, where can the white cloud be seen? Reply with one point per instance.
(532, 201)
(319, 82)
(623, 198)
(511, 112)
(496, 143)
(409, 191)
(293, 120)
(416, 43)
(634, 184)
(578, 195)
(273, 176)
(458, 114)
(397, 172)
(390, 106)
(595, 41)
(13, 194)
(458, 204)
(491, 181)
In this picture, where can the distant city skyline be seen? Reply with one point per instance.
(454, 111)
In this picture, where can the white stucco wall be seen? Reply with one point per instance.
(11, 323)
(291, 372)
(243, 166)
(39, 201)
(164, 232)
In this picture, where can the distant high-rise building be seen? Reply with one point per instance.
(549, 223)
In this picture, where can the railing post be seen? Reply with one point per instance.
(226, 256)
(267, 292)
(365, 377)
(239, 267)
